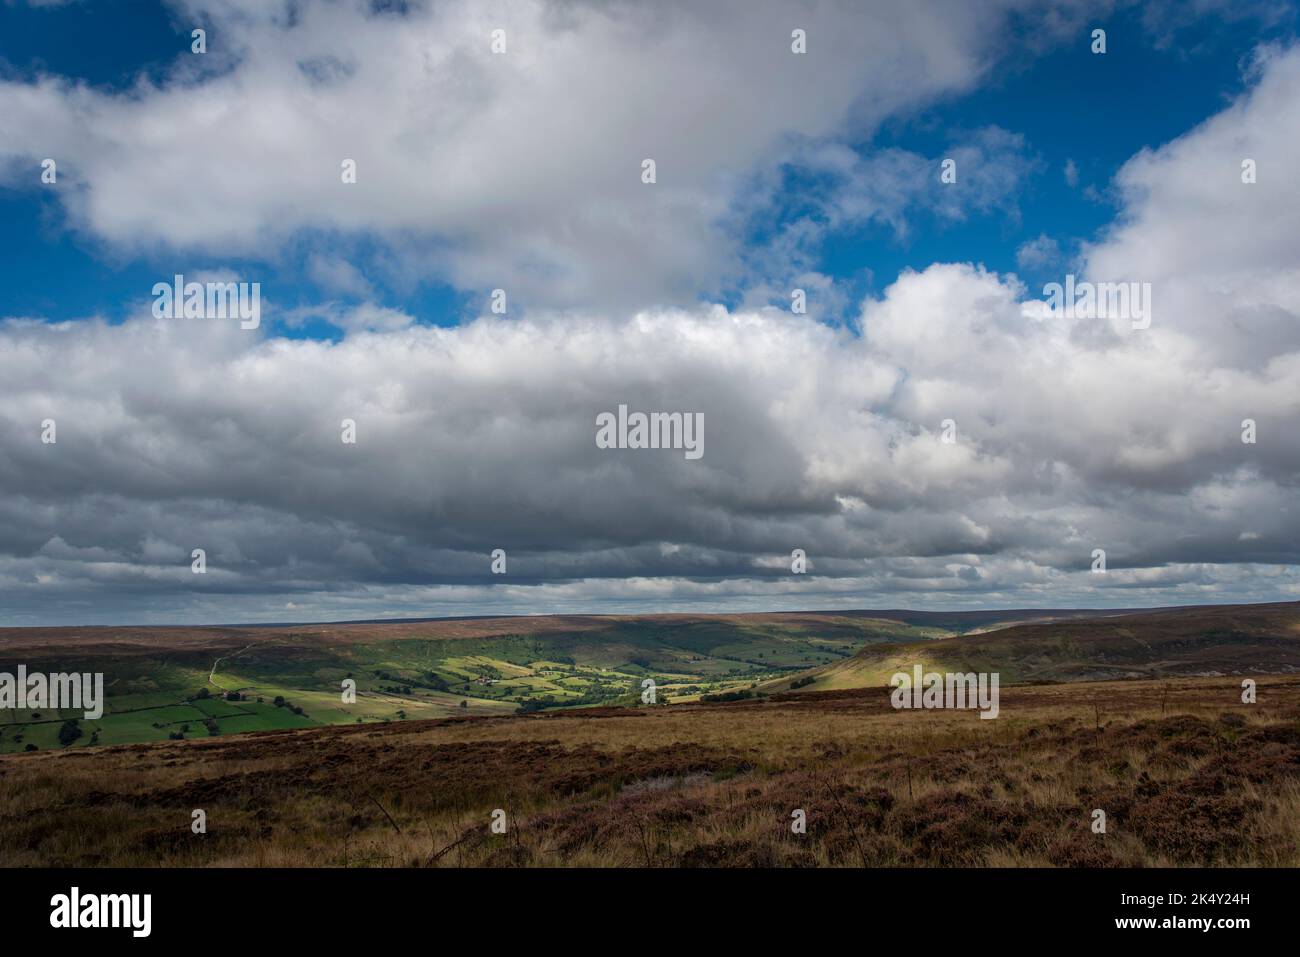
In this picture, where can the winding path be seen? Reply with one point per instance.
(212, 674)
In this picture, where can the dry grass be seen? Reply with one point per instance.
(1187, 776)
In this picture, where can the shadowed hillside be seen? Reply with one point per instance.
(1188, 773)
(164, 682)
(1204, 641)
(168, 682)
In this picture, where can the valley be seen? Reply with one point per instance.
(774, 743)
(183, 683)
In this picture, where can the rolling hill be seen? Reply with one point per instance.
(163, 682)
(1188, 772)
(181, 682)
(1179, 642)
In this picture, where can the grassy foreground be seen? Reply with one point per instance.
(1186, 773)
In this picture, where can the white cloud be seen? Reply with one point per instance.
(1073, 434)
(520, 170)
(337, 275)
(1038, 253)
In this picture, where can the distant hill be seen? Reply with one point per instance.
(1204, 640)
(165, 682)
(848, 622)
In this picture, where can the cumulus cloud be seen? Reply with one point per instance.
(482, 436)
(1071, 433)
(510, 170)
(1039, 253)
(1223, 255)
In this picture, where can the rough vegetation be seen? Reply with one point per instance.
(1187, 774)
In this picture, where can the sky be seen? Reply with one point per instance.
(930, 430)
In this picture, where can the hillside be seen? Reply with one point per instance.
(1188, 773)
(169, 682)
(162, 682)
(1205, 641)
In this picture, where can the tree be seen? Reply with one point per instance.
(69, 731)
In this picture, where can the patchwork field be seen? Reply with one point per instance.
(164, 683)
(184, 683)
(761, 722)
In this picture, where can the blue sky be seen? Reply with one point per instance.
(926, 433)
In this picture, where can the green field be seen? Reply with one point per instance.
(164, 683)
(189, 690)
